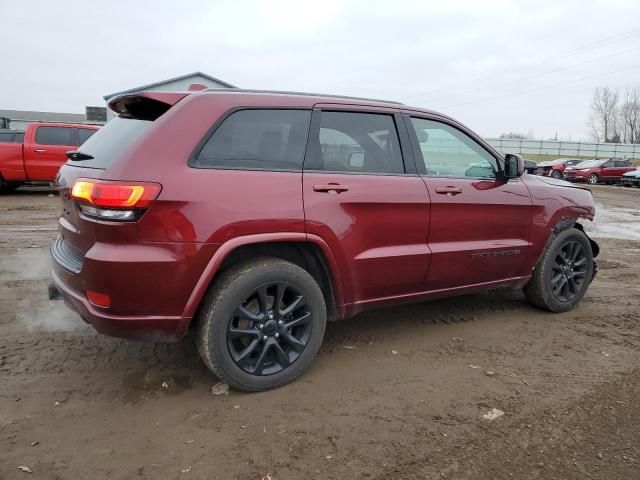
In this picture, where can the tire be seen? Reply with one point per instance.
(234, 318)
(542, 292)
(8, 187)
(556, 174)
(593, 179)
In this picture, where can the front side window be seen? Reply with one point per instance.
(447, 152)
(359, 143)
(258, 139)
(6, 137)
(54, 136)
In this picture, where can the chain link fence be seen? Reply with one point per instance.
(561, 149)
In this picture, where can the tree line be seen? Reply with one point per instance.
(615, 117)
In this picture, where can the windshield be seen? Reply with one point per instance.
(590, 163)
(110, 141)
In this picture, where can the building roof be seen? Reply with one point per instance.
(181, 77)
(31, 116)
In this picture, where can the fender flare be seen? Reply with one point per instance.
(226, 248)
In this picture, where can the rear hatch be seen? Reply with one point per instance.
(136, 114)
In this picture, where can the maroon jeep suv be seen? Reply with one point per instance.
(254, 217)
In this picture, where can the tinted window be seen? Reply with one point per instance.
(6, 137)
(84, 134)
(263, 139)
(19, 138)
(359, 142)
(447, 152)
(622, 163)
(54, 136)
(608, 164)
(111, 140)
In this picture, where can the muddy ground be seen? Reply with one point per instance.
(396, 393)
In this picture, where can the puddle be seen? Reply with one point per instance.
(138, 385)
(614, 222)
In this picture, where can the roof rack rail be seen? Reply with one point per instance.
(303, 94)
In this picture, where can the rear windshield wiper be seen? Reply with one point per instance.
(77, 155)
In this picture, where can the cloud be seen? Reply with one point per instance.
(456, 56)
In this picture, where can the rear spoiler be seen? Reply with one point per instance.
(145, 105)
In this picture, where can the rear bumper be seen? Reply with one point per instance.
(163, 328)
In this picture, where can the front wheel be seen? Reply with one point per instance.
(593, 179)
(261, 325)
(563, 274)
(556, 174)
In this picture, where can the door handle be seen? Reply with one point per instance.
(448, 190)
(39, 150)
(332, 188)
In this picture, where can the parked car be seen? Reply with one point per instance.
(37, 153)
(555, 168)
(631, 178)
(530, 166)
(596, 171)
(254, 217)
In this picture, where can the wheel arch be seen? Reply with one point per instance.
(308, 252)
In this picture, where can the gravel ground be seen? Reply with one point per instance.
(396, 393)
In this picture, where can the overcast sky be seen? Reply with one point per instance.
(483, 62)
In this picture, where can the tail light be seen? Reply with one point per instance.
(113, 200)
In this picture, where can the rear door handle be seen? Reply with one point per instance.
(448, 190)
(332, 188)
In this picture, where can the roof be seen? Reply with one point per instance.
(181, 77)
(302, 94)
(32, 116)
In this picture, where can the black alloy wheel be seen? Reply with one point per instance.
(568, 271)
(270, 329)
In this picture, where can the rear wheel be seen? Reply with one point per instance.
(261, 324)
(563, 274)
(593, 179)
(8, 187)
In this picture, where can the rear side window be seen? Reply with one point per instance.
(257, 139)
(111, 140)
(359, 143)
(19, 138)
(54, 136)
(84, 134)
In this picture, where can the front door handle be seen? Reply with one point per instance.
(39, 150)
(332, 188)
(448, 190)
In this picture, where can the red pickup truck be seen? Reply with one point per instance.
(37, 153)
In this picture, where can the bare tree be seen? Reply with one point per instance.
(629, 116)
(603, 118)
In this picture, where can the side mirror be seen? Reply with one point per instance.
(513, 166)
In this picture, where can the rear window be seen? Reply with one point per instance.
(84, 134)
(54, 136)
(257, 139)
(110, 141)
